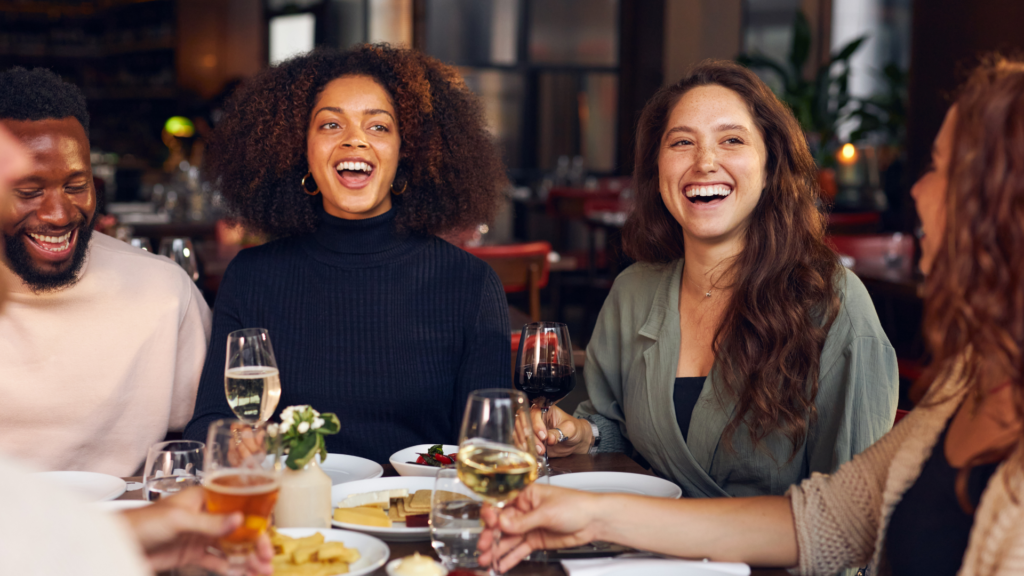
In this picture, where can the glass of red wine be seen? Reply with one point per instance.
(545, 371)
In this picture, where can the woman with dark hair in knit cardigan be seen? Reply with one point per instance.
(356, 161)
(943, 492)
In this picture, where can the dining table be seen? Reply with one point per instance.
(610, 462)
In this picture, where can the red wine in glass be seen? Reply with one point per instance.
(545, 371)
(545, 383)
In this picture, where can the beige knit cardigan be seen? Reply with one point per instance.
(841, 519)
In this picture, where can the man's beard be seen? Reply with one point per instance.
(21, 263)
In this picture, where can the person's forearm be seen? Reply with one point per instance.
(758, 531)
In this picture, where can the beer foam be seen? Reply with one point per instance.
(243, 482)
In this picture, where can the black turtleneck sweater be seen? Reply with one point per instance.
(389, 332)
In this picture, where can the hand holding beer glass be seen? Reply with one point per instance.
(242, 473)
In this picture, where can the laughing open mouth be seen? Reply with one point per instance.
(354, 173)
(53, 243)
(697, 193)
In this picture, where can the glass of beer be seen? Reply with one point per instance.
(242, 473)
(252, 383)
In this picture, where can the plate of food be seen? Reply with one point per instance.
(325, 551)
(624, 482)
(424, 459)
(395, 509)
(92, 486)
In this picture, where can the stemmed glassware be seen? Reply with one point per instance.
(252, 382)
(171, 467)
(181, 251)
(545, 370)
(497, 456)
(242, 473)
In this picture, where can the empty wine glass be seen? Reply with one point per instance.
(497, 452)
(181, 251)
(252, 382)
(142, 243)
(171, 467)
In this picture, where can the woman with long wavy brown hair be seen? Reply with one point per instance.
(943, 492)
(737, 356)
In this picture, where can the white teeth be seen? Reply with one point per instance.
(695, 190)
(354, 167)
(62, 240)
(52, 239)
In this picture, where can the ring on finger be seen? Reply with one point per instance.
(561, 435)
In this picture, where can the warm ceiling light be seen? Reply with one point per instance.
(848, 152)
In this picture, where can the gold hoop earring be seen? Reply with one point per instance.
(400, 192)
(306, 189)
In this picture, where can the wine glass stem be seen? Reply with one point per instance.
(544, 456)
(495, 558)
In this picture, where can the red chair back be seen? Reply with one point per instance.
(520, 267)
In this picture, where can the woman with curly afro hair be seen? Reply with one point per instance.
(356, 161)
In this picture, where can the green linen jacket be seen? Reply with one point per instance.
(630, 376)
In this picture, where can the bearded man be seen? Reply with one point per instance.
(101, 344)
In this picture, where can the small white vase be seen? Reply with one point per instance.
(305, 498)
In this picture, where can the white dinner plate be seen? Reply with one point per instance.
(398, 532)
(627, 482)
(121, 505)
(401, 460)
(344, 468)
(92, 486)
(372, 552)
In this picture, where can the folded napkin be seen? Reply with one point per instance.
(652, 567)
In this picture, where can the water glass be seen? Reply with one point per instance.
(455, 523)
(172, 467)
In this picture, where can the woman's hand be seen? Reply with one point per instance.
(176, 532)
(578, 435)
(542, 517)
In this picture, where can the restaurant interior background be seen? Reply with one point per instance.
(562, 82)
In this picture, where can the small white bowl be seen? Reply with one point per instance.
(400, 460)
(390, 567)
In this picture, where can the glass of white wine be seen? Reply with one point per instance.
(497, 453)
(252, 383)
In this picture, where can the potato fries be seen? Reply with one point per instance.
(310, 556)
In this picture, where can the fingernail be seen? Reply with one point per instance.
(543, 434)
(540, 448)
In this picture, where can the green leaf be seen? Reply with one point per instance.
(302, 452)
(436, 449)
(331, 424)
(323, 447)
(849, 49)
(801, 47)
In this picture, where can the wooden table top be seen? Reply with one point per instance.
(577, 463)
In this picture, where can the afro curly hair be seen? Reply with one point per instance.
(39, 94)
(453, 170)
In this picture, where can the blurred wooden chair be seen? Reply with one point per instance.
(520, 267)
